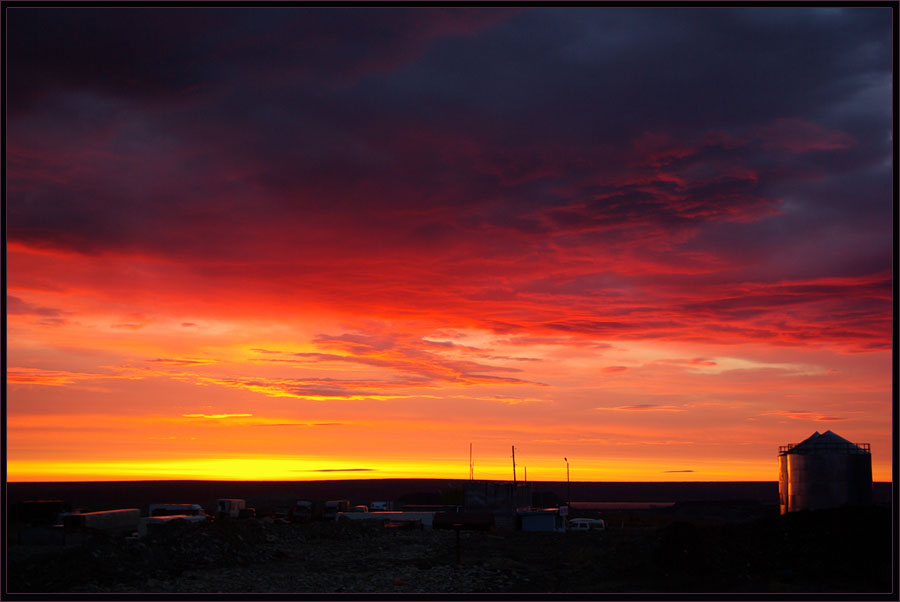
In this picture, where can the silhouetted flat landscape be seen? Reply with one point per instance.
(118, 494)
(661, 537)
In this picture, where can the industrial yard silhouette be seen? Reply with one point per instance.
(653, 537)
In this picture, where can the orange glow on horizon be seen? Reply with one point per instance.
(304, 469)
(211, 407)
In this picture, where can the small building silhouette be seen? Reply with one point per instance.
(824, 471)
(503, 498)
(546, 519)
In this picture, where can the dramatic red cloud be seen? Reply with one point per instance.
(499, 296)
(400, 231)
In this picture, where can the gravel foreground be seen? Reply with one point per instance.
(847, 550)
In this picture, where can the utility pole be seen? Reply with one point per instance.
(471, 466)
(514, 463)
(568, 484)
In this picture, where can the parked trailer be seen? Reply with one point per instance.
(113, 522)
(425, 518)
(152, 522)
(176, 510)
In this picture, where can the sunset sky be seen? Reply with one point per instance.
(299, 243)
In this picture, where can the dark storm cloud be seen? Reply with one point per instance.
(587, 73)
(553, 75)
(752, 142)
(258, 75)
(155, 53)
(121, 52)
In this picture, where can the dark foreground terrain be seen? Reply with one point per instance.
(846, 550)
(262, 494)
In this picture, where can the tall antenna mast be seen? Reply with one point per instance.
(471, 465)
(514, 463)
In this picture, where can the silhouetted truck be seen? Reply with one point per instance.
(305, 510)
(112, 522)
(230, 508)
(335, 507)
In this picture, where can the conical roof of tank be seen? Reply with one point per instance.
(826, 440)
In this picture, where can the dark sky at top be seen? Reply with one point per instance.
(725, 145)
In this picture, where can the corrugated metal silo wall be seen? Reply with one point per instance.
(824, 480)
(783, 483)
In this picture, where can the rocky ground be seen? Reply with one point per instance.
(841, 551)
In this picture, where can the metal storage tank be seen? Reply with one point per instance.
(824, 471)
